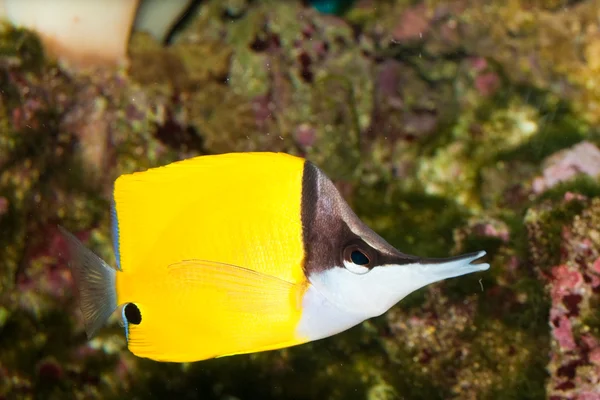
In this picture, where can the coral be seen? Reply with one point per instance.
(482, 360)
(552, 49)
(583, 158)
(296, 67)
(573, 282)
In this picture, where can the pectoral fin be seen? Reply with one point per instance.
(239, 290)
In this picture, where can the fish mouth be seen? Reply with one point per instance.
(450, 267)
(468, 258)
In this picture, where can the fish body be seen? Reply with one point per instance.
(239, 253)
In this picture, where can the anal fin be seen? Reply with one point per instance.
(210, 309)
(247, 290)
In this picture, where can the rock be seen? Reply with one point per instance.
(414, 24)
(574, 288)
(583, 158)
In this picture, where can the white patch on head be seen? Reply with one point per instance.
(338, 298)
(321, 318)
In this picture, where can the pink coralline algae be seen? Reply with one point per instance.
(3, 205)
(487, 83)
(478, 64)
(263, 110)
(583, 158)
(596, 266)
(574, 287)
(413, 24)
(305, 135)
(491, 229)
(565, 281)
(48, 274)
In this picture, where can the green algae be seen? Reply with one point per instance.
(541, 47)
(556, 133)
(289, 85)
(494, 359)
(544, 226)
(581, 184)
(409, 220)
(592, 320)
(21, 48)
(521, 305)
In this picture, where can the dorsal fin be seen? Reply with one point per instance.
(237, 208)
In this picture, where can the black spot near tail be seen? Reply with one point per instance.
(133, 314)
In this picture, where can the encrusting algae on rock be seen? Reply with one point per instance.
(573, 282)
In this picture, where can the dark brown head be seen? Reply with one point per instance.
(352, 265)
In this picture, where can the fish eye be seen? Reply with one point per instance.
(357, 259)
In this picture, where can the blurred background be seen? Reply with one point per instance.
(449, 126)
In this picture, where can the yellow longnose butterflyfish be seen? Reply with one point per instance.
(240, 253)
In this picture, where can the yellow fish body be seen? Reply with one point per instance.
(240, 253)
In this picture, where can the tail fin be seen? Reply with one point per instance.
(95, 280)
